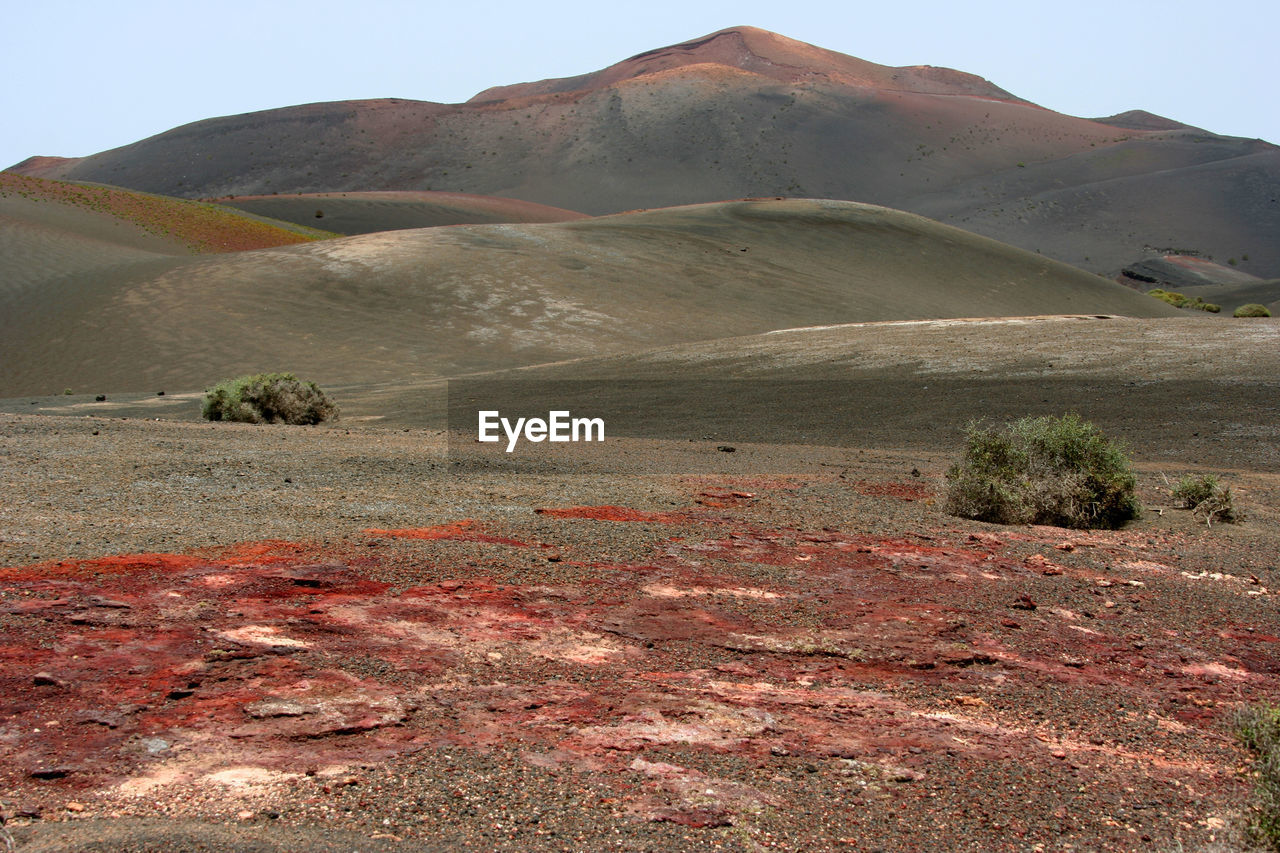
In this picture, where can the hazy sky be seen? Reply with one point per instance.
(81, 77)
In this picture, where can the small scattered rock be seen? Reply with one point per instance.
(45, 679)
(266, 708)
(50, 773)
(73, 806)
(155, 745)
(1023, 602)
(726, 448)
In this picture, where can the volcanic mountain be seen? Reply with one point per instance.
(744, 112)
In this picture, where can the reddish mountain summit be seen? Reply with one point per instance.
(776, 58)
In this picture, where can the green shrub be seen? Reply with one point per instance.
(1253, 309)
(272, 398)
(1046, 470)
(1206, 495)
(1179, 300)
(1258, 728)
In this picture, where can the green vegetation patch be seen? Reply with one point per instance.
(1046, 470)
(1178, 300)
(200, 226)
(268, 398)
(1253, 309)
(1257, 727)
(1208, 496)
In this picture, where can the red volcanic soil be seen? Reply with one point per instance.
(609, 513)
(723, 678)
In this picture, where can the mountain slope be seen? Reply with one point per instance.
(443, 301)
(142, 220)
(742, 113)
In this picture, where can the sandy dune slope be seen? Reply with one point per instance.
(436, 302)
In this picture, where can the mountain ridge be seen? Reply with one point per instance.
(729, 116)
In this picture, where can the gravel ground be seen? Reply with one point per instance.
(913, 684)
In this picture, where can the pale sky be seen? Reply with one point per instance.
(81, 76)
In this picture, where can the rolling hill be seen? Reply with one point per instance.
(744, 112)
(437, 302)
(368, 212)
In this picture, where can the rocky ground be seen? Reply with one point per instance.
(221, 637)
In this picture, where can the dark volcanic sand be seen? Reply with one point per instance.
(331, 644)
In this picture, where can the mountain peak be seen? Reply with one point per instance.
(770, 55)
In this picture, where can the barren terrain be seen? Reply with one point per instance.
(743, 621)
(243, 634)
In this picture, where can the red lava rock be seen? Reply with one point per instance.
(290, 656)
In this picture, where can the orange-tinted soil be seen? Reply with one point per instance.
(942, 686)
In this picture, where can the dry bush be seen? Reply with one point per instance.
(1208, 496)
(1257, 727)
(1047, 470)
(268, 398)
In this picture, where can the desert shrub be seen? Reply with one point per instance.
(1253, 309)
(1179, 300)
(1045, 470)
(1257, 727)
(272, 398)
(1206, 495)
